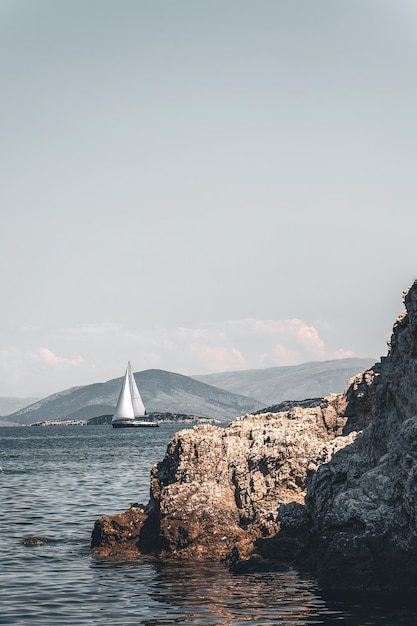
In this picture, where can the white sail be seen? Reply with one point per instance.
(137, 404)
(124, 408)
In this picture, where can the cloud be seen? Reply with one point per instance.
(279, 355)
(88, 330)
(51, 358)
(218, 346)
(34, 372)
(342, 354)
(218, 358)
(307, 336)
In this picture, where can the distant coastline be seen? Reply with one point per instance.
(105, 420)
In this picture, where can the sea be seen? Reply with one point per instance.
(55, 481)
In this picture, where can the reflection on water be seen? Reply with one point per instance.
(208, 594)
(227, 599)
(57, 481)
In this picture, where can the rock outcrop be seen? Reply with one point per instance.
(296, 486)
(218, 490)
(363, 503)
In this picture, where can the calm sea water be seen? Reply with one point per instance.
(55, 481)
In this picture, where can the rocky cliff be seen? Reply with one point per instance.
(296, 486)
(363, 504)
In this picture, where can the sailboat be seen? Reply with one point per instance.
(130, 410)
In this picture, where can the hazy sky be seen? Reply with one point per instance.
(202, 185)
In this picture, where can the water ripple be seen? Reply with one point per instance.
(56, 481)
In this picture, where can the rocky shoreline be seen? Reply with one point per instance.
(330, 487)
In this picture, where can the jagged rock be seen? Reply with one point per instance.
(238, 493)
(218, 490)
(363, 503)
(286, 405)
(359, 400)
(119, 534)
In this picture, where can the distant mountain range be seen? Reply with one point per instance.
(221, 396)
(161, 391)
(293, 382)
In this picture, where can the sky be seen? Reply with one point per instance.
(202, 186)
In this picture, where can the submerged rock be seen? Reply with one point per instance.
(33, 541)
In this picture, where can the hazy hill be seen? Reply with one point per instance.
(10, 405)
(294, 382)
(161, 392)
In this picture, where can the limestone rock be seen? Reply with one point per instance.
(218, 490)
(119, 535)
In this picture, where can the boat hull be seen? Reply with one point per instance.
(135, 424)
